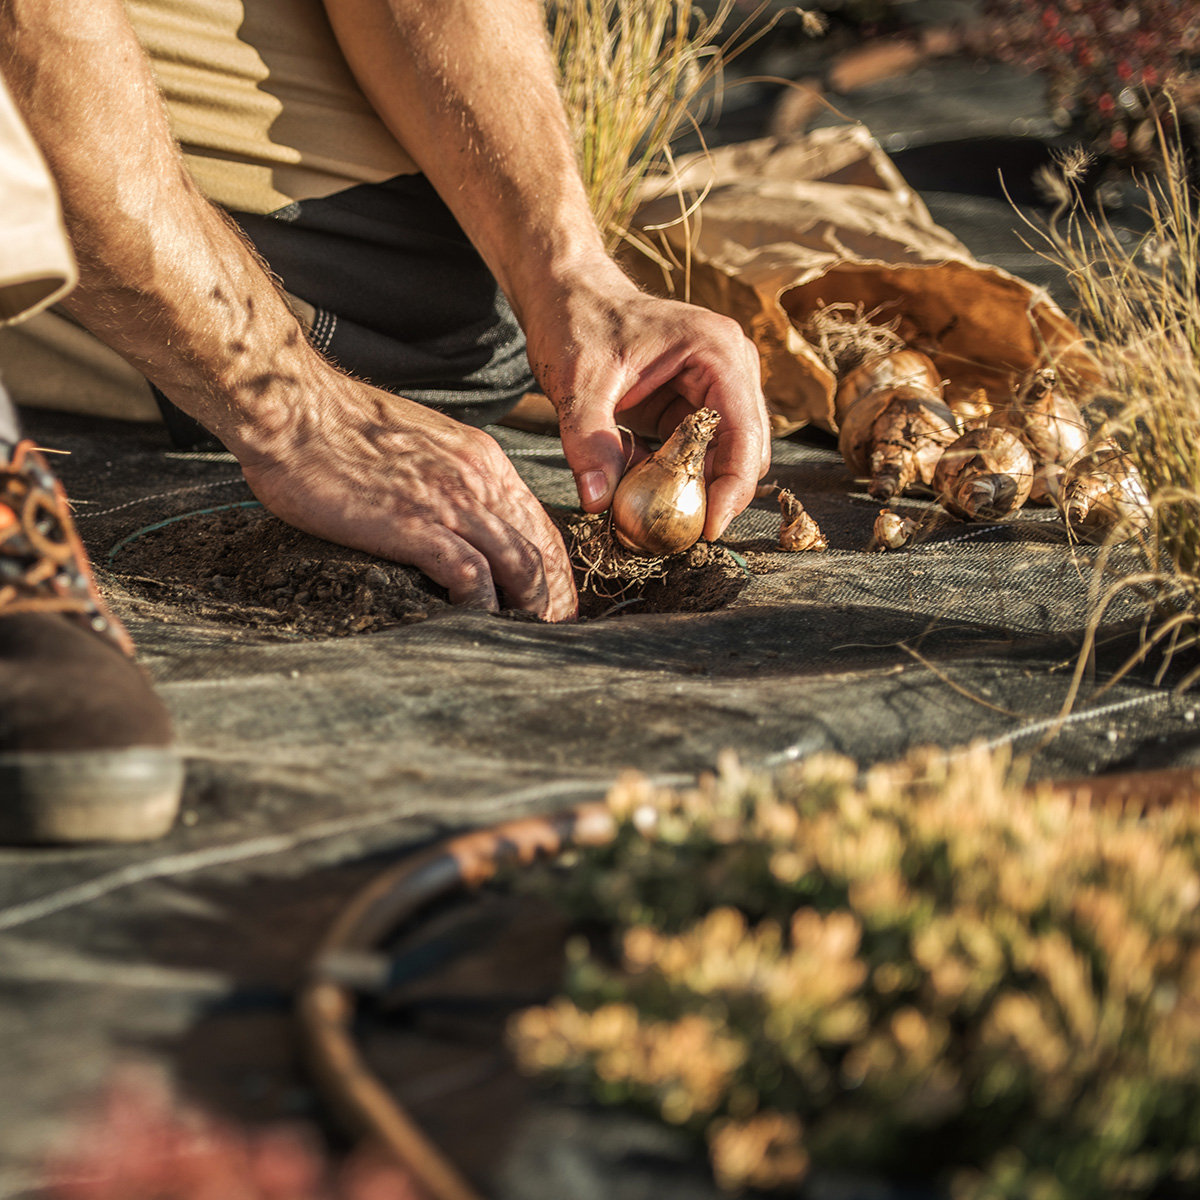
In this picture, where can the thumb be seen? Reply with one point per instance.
(594, 450)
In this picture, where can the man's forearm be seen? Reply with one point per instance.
(469, 90)
(164, 278)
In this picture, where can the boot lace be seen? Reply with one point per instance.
(43, 565)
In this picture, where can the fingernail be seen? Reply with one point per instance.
(592, 486)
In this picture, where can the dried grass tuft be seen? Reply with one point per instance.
(1140, 307)
(633, 74)
(845, 336)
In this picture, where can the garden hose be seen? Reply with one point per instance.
(327, 1001)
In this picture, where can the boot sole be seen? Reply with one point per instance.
(129, 795)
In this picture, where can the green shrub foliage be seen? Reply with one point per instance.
(929, 972)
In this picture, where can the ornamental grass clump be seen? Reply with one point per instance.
(629, 72)
(926, 972)
(1139, 305)
(633, 74)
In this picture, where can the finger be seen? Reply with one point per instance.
(449, 560)
(519, 567)
(515, 562)
(742, 442)
(732, 486)
(560, 579)
(755, 397)
(737, 397)
(764, 416)
(522, 545)
(592, 445)
(532, 522)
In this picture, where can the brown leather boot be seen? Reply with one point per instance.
(84, 741)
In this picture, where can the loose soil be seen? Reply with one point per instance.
(246, 567)
(610, 579)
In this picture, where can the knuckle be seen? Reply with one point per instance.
(729, 328)
(482, 451)
(469, 571)
(528, 558)
(476, 460)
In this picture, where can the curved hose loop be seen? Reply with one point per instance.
(1132, 793)
(327, 1003)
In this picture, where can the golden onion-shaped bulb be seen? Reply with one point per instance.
(891, 530)
(660, 504)
(984, 475)
(1103, 497)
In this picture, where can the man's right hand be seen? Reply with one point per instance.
(367, 469)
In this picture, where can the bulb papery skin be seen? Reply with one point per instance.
(886, 372)
(1103, 498)
(658, 510)
(660, 505)
(986, 474)
(972, 410)
(1048, 422)
(892, 434)
(891, 531)
(797, 529)
(1047, 483)
(988, 497)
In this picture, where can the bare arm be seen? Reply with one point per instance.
(468, 88)
(167, 282)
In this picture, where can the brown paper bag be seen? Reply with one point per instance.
(774, 230)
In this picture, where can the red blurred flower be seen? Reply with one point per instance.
(141, 1143)
(1089, 50)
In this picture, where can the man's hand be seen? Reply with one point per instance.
(364, 468)
(607, 356)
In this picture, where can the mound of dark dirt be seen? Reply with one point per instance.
(609, 578)
(245, 567)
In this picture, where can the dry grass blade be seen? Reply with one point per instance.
(845, 336)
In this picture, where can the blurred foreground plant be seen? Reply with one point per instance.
(928, 972)
(140, 1142)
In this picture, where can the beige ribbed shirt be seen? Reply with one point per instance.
(262, 101)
